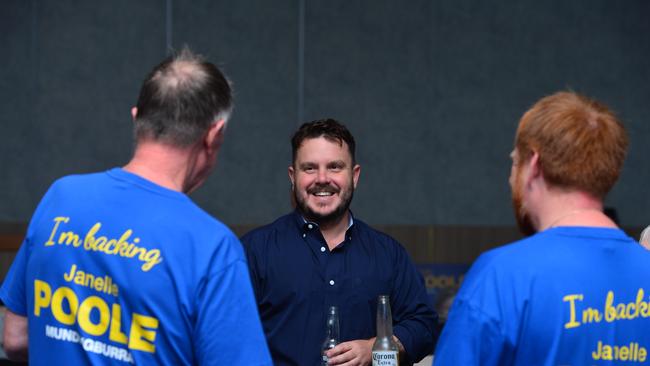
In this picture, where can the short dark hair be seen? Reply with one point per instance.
(180, 99)
(328, 128)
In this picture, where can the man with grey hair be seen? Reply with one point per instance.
(644, 239)
(121, 266)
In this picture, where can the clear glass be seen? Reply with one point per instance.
(384, 350)
(331, 333)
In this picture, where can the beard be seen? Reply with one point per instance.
(524, 221)
(328, 218)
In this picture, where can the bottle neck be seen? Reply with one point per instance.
(333, 325)
(384, 319)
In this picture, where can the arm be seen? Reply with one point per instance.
(252, 265)
(13, 295)
(228, 328)
(414, 319)
(470, 337)
(15, 339)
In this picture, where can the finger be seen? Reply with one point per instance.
(342, 358)
(353, 362)
(339, 349)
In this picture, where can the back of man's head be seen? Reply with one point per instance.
(179, 100)
(580, 142)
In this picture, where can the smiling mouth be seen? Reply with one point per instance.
(323, 191)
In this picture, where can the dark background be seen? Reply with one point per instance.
(432, 91)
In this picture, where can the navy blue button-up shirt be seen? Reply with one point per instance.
(296, 278)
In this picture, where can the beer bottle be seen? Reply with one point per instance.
(384, 351)
(331, 334)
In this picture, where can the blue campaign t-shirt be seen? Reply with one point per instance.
(115, 269)
(566, 296)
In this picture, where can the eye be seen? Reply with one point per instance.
(336, 167)
(308, 168)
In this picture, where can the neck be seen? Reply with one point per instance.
(334, 231)
(165, 165)
(572, 209)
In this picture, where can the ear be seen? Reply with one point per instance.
(134, 112)
(533, 170)
(291, 172)
(356, 171)
(214, 137)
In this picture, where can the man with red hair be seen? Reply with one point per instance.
(576, 292)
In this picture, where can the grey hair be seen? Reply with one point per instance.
(644, 239)
(181, 98)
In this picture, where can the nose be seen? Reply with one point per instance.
(322, 177)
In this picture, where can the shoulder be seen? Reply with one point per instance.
(510, 266)
(519, 252)
(268, 233)
(531, 252)
(77, 180)
(377, 238)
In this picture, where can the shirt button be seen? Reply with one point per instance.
(303, 235)
(322, 249)
(310, 226)
(331, 282)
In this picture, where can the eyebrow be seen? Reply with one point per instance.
(340, 163)
(308, 164)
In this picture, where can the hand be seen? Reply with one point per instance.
(352, 353)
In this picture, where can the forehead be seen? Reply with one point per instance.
(320, 149)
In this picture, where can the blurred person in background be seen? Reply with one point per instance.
(644, 238)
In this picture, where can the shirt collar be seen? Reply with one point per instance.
(302, 222)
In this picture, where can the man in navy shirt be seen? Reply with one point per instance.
(320, 255)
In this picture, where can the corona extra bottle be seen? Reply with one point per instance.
(384, 351)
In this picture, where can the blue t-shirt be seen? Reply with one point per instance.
(115, 269)
(296, 278)
(566, 296)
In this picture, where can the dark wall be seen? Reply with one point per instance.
(432, 90)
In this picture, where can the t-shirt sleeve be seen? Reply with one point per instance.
(474, 333)
(13, 291)
(470, 337)
(228, 329)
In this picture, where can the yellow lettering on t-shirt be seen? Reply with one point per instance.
(86, 324)
(573, 323)
(140, 338)
(94, 242)
(42, 296)
(57, 305)
(143, 328)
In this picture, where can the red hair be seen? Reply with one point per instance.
(580, 142)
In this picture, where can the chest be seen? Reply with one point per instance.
(306, 270)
